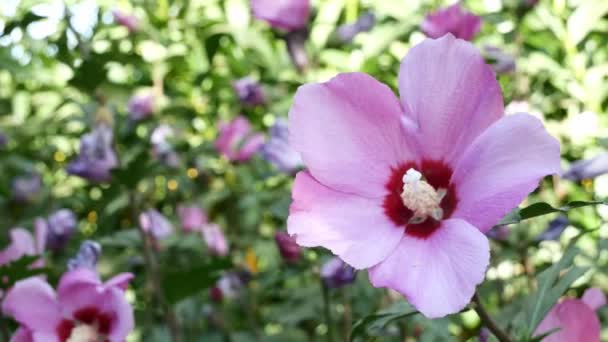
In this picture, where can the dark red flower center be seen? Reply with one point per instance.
(88, 315)
(438, 175)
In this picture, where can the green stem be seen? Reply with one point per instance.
(500, 334)
(327, 312)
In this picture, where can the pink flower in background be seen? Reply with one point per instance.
(249, 91)
(289, 15)
(97, 157)
(288, 247)
(84, 309)
(453, 19)
(215, 239)
(22, 243)
(140, 106)
(155, 224)
(161, 147)
(127, 20)
(575, 319)
(408, 188)
(192, 218)
(236, 141)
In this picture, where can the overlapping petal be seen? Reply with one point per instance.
(352, 227)
(437, 275)
(502, 167)
(349, 133)
(450, 93)
(32, 303)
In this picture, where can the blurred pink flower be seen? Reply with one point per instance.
(97, 157)
(575, 319)
(288, 247)
(140, 106)
(22, 243)
(453, 19)
(192, 217)
(215, 239)
(408, 188)
(84, 309)
(289, 15)
(249, 91)
(236, 141)
(127, 20)
(161, 147)
(155, 224)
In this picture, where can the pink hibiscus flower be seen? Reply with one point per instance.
(237, 141)
(84, 309)
(408, 189)
(453, 19)
(575, 319)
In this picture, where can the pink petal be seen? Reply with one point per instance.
(22, 244)
(250, 147)
(352, 227)
(120, 281)
(594, 298)
(32, 303)
(349, 133)
(40, 230)
(502, 167)
(576, 321)
(452, 95)
(282, 14)
(123, 321)
(437, 275)
(22, 335)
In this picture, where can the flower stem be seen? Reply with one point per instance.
(327, 312)
(488, 321)
(154, 275)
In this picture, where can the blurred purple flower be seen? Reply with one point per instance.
(59, 227)
(227, 287)
(287, 15)
(192, 218)
(155, 224)
(501, 62)
(554, 229)
(215, 239)
(127, 20)
(347, 32)
(453, 19)
(26, 188)
(140, 106)
(161, 148)
(87, 256)
(484, 335)
(22, 243)
(3, 140)
(499, 233)
(289, 249)
(249, 91)
(336, 273)
(588, 168)
(97, 156)
(236, 141)
(277, 150)
(296, 48)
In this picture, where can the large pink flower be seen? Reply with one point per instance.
(453, 19)
(84, 309)
(408, 189)
(574, 319)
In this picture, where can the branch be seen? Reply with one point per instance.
(488, 321)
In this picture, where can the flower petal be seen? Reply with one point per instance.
(594, 298)
(122, 314)
(437, 275)
(120, 281)
(349, 133)
(452, 95)
(575, 320)
(502, 167)
(354, 228)
(22, 244)
(32, 303)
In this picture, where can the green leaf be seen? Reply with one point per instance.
(542, 208)
(182, 283)
(551, 286)
(19, 269)
(373, 324)
(585, 18)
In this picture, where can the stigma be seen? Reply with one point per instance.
(421, 198)
(85, 333)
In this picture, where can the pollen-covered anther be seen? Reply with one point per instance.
(85, 333)
(421, 198)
